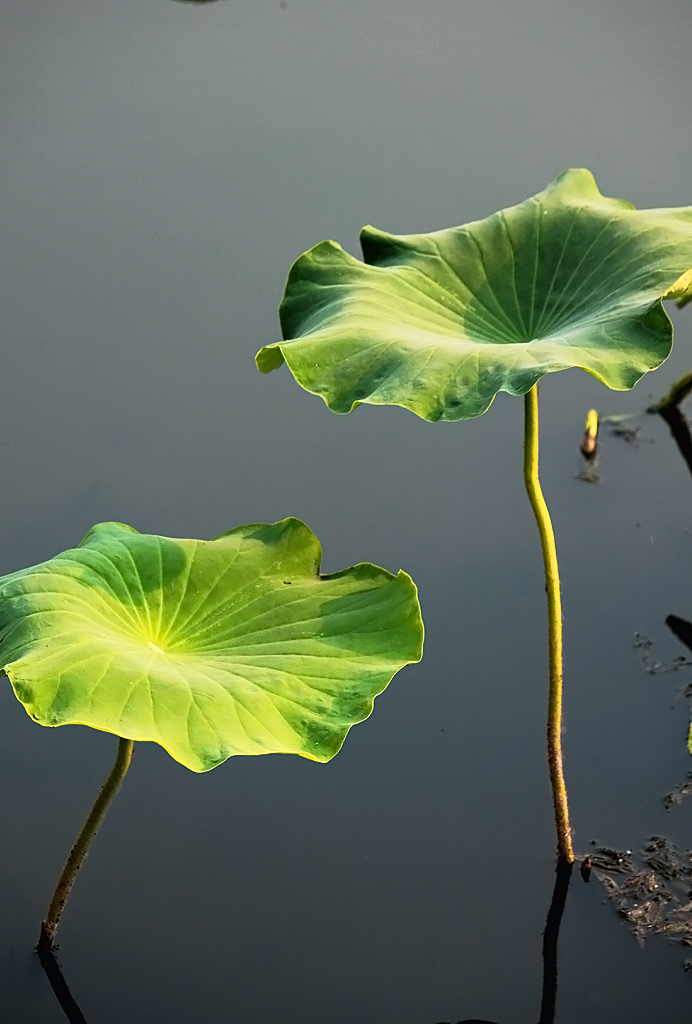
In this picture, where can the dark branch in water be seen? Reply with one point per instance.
(51, 967)
(681, 628)
(668, 409)
(677, 394)
(680, 431)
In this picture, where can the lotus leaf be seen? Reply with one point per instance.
(439, 323)
(211, 648)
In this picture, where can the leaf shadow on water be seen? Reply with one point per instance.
(563, 874)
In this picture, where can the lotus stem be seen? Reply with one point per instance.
(79, 851)
(552, 586)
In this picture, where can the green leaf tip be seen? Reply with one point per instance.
(211, 648)
(439, 323)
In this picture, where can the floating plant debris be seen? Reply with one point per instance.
(643, 646)
(654, 897)
(678, 793)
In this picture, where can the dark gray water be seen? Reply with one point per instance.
(163, 165)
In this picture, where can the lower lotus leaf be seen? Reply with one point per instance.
(211, 648)
(439, 323)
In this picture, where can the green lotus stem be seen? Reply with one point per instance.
(552, 584)
(79, 850)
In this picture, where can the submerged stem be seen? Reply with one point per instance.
(83, 841)
(552, 584)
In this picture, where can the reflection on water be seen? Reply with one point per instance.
(551, 935)
(50, 965)
(668, 408)
(563, 874)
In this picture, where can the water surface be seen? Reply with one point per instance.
(164, 164)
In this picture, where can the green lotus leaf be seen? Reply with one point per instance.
(439, 323)
(211, 648)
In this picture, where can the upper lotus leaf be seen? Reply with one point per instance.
(439, 323)
(211, 648)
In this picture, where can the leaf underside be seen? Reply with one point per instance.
(211, 648)
(439, 323)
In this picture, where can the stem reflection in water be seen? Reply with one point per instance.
(51, 966)
(550, 940)
(563, 875)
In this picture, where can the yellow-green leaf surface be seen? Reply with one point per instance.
(439, 323)
(211, 648)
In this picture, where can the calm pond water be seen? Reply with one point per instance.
(164, 163)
